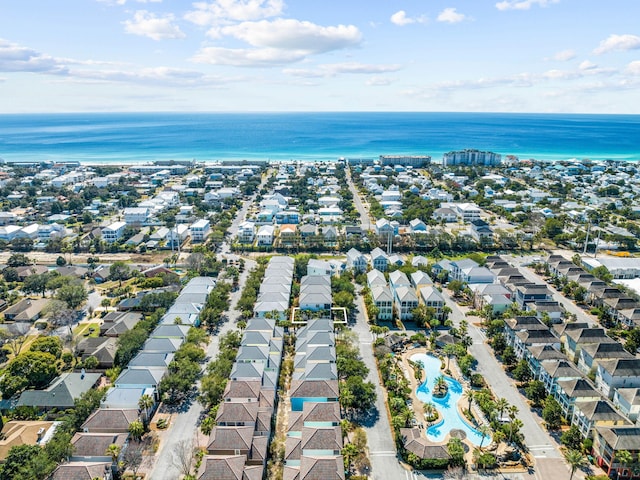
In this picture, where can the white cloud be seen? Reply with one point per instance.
(223, 11)
(243, 57)
(333, 69)
(450, 15)
(587, 65)
(400, 18)
(379, 82)
(295, 35)
(633, 68)
(16, 58)
(619, 43)
(123, 2)
(564, 56)
(147, 24)
(157, 76)
(523, 4)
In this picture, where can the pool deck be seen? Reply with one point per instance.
(418, 404)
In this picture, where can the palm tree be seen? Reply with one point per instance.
(485, 431)
(441, 384)
(514, 427)
(136, 430)
(469, 395)
(499, 436)
(502, 405)
(429, 410)
(449, 351)
(575, 459)
(417, 370)
(145, 403)
(113, 451)
(513, 411)
(624, 457)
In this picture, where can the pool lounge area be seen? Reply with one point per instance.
(447, 406)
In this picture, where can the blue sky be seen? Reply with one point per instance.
(319, 55)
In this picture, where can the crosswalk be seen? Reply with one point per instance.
(540, 451)
(384, 453)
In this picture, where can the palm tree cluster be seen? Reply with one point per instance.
(441, 387)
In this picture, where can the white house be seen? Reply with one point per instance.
(265, 235)
(383, 300)
(200, 230)
(246, 232)
(139, 215)
(356, 261)
(113, 232)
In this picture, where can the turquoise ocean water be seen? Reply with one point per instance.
(143, 137)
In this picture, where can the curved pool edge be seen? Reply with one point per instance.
(442, 405)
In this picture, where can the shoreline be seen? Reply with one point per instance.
(436, 159)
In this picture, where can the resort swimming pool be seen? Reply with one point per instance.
(450, 418)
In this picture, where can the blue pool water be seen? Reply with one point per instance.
(450, 418)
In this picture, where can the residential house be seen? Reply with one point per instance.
(595, 413)
(383, 300)
(25, 432)
(246, 232)
(575, 339)
(265, 235)
(61, 393)
(608, 441)
(537, 354)
(200, 230)
(379, 259)
(554, 371)
(617, 373)
(356, 261)
(26, 310)
(591, 353)
(114, 232)
(432, 298)
(532, 293)
(568, 392)
(628, 401)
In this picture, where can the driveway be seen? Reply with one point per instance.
(382, 447)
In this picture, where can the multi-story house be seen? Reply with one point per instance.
(200, 230)
(113, 232)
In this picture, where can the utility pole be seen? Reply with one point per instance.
(586, 241)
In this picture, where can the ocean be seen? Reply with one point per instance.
(103, 138)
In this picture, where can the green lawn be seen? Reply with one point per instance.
(83, 330)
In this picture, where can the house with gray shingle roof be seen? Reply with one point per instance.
(110, 420)
(92, 447)
(595, 413)
(617, 373)
(82, 471)
(61, 393)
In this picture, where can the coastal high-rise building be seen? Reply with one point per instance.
(406, 160)
(471, 157)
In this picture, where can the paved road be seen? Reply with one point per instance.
(185, 424)
(569, 305)
(365, 219)
(382, 448)
(539, 442)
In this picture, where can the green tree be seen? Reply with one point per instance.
(485, 432)
(30, 369)
(119, 271)
(536, 392)
(456, 451)
(552, 413)
(624, 457)
(522, 372)
(72, 295)
(145, 403)
(572, 438)
(575, 459)
(18, 458)
(18, 260)
(509, 356)
(52, 345)
(36, 283)
(136, 430)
